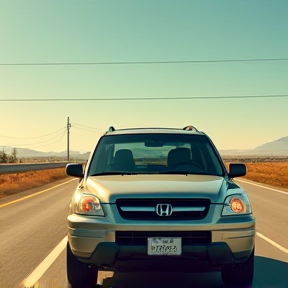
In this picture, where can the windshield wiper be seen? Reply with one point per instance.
(113, 173)
(174, 172)
(183, 172)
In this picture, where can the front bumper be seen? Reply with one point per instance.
(92, 240)
(124, 258)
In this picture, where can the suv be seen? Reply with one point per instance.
(158, 199)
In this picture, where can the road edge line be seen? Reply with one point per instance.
(276, 190)
(40, 270)
(34, 194)
(272, 242)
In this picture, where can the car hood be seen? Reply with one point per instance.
(110, 188)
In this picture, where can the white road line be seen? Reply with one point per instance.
(34, 277)
(275, 190)
(272, 242)
(35, 194)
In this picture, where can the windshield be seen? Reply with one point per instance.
(154, 154)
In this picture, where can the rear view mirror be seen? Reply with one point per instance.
(236, 170)
(75, 170)
(154, 143)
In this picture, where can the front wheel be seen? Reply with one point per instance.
(79, 274)
(239, 275)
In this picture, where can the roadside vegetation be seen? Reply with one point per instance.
(6, 158)
(271, 173)
(267, 171)
(17, 182)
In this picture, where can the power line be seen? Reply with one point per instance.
(62, 136)
(86, 127)
(49, 144)
(2, 136)
(145, 62)
(47, 141)
(89, 130)
(144, 98)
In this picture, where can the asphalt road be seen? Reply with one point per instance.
(33, 227)
(30, 229)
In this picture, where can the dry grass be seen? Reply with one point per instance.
(271, 173)
(14, 183)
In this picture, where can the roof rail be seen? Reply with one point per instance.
(190, 128)
(111, 129)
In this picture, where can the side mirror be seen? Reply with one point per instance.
(236, 170)
(75, 170)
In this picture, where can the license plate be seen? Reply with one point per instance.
(165, 246)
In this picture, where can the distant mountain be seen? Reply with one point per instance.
(277, 145)
(277, 148)
(29, 153)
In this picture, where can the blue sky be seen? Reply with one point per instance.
(102, 31)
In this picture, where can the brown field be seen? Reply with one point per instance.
(14, 183)
(272, 173)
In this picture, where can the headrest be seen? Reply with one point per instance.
(178, 156)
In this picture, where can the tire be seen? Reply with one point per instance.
(239, 275)
(79, 274)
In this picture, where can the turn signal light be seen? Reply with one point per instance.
(88, 204)
(237, 205)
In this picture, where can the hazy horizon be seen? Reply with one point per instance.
(274, 143)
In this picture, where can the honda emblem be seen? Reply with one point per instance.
(164, 209)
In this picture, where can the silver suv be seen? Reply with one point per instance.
(158, 199)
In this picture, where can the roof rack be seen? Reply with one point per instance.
(190, 128)
(111, 129)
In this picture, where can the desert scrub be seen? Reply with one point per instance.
(17, 182)
(271, 173)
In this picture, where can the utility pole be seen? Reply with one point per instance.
(68, 132)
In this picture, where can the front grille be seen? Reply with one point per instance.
(145, 209)
(140, 237)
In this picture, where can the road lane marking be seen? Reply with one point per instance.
(35, 276)
(275, 190)
(272, 242)
(32, 195)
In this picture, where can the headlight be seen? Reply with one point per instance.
(89, 205)
(236, 205)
